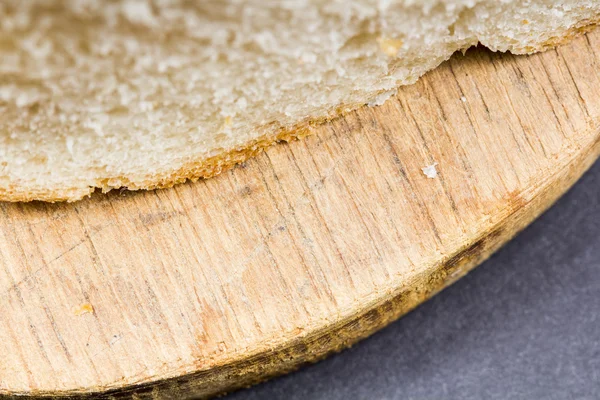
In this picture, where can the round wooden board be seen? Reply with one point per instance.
(301, 251)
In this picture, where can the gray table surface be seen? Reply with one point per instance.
(523, 325)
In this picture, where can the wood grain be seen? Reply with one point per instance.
(301, 251)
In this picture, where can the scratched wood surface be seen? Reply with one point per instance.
(301, 251)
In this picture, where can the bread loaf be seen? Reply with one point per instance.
(145, 94)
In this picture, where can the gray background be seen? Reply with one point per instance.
(523, 325)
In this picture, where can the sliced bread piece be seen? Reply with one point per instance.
(146, 94)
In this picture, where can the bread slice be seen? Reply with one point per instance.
(146, 94)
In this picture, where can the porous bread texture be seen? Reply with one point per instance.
(146, 94)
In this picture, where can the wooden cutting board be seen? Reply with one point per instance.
(301, 251)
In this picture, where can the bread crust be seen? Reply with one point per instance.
(212, 166)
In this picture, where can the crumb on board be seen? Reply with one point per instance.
(84, 308)
(463, 99)
(430, 171)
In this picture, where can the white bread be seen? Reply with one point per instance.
(146, 94)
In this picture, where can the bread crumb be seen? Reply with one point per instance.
(85, 308)
(430, 171)
(463, 99)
